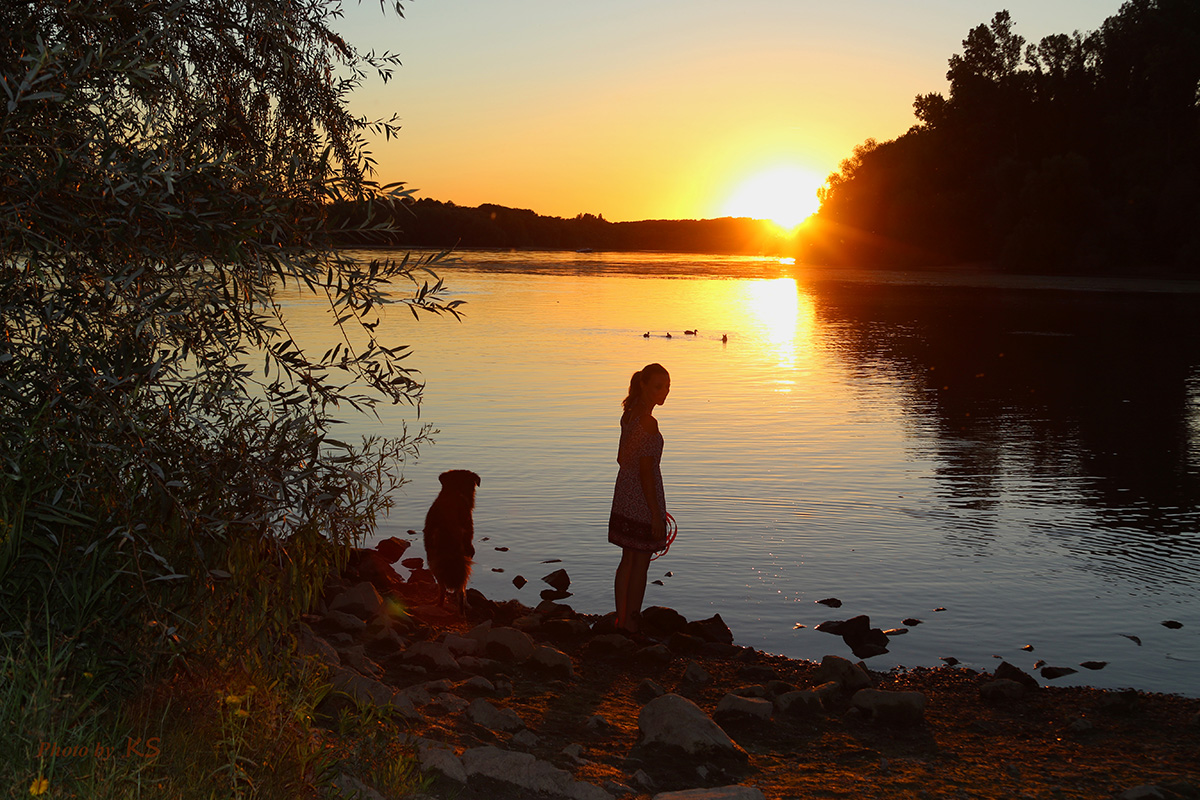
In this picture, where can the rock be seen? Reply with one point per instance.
(712, 629)
(552, 660)
(505, 644)
(895, 631)
(719, 793)
(1094, 664)
(610, 644)
(478, 666)
(951, 661)
(848, 675)
(528, 774)
(695, 675)
(662, 621)
(350, 786)
(309, 644)
(1144, 792)
(483, 713)
(828, 694)
(647, 690)
(911, 621)
(367, 691)
(392, 549)
(559, 579)
(1007, 671)
(676, 723)
(1050, 673)
(340, 621)
(525, 738)
(460, 645)
(1002, 690)
(574, 752)
(855, 626)
(640, 778)
(413, 563)
(423, 693)
(519, 581)
(356, 658)
(799, 702)
(736, 708)
(684, 643)
(1173, 624)
(440, 758)
(832, 602)
(431, 655)
(655, 654)
(754, 690)
(720, 650)
(554, 594)
(600, 726)
(892, 708)
(479, 684)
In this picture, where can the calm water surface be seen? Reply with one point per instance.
(1014, 463)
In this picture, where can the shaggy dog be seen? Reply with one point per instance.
(449, 530)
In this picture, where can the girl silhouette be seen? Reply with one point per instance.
(637, 523)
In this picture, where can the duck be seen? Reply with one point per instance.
(668, 334)
(724, 338)
(646, 335)
(690, 333)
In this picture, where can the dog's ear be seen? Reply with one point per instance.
(442, 478)
(478, 482)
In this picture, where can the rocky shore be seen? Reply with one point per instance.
(516, 702)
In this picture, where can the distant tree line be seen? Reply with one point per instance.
(431, 223)
(1076, 154)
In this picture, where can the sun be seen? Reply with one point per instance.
(786, 195)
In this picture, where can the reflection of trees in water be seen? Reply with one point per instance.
(1091, 389)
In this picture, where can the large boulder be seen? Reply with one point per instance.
(718, 793)
(675, 723)
(504, 644)
(712, 629)
(528, 774)
(849, 675)
(662, 621)
(431, 655)
(739, 709)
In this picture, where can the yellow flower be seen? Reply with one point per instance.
(39, 787)
(241, 712)
(233, 700)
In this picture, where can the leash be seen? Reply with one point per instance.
(672, 532)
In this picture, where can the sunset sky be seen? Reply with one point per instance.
(660, 109)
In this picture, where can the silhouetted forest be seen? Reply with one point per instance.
(1075, 154)
(430, 223)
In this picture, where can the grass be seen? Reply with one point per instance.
(233, 727)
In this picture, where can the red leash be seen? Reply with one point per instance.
(672, 532)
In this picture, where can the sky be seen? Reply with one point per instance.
(659, 109)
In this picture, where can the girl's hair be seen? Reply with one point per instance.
(633, 399)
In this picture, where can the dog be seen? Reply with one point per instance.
(449, 534)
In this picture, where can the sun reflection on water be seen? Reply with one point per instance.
(782, 316)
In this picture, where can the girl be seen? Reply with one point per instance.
(638, 522)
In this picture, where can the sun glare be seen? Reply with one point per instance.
(785, 195)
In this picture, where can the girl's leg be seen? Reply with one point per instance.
(630, 587)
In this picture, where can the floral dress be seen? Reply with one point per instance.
(629, 522)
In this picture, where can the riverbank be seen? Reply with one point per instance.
(508, 700)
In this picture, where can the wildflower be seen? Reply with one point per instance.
(241, 712)
(232, 700)
(39, 787)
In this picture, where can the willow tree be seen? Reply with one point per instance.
(168, 461)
